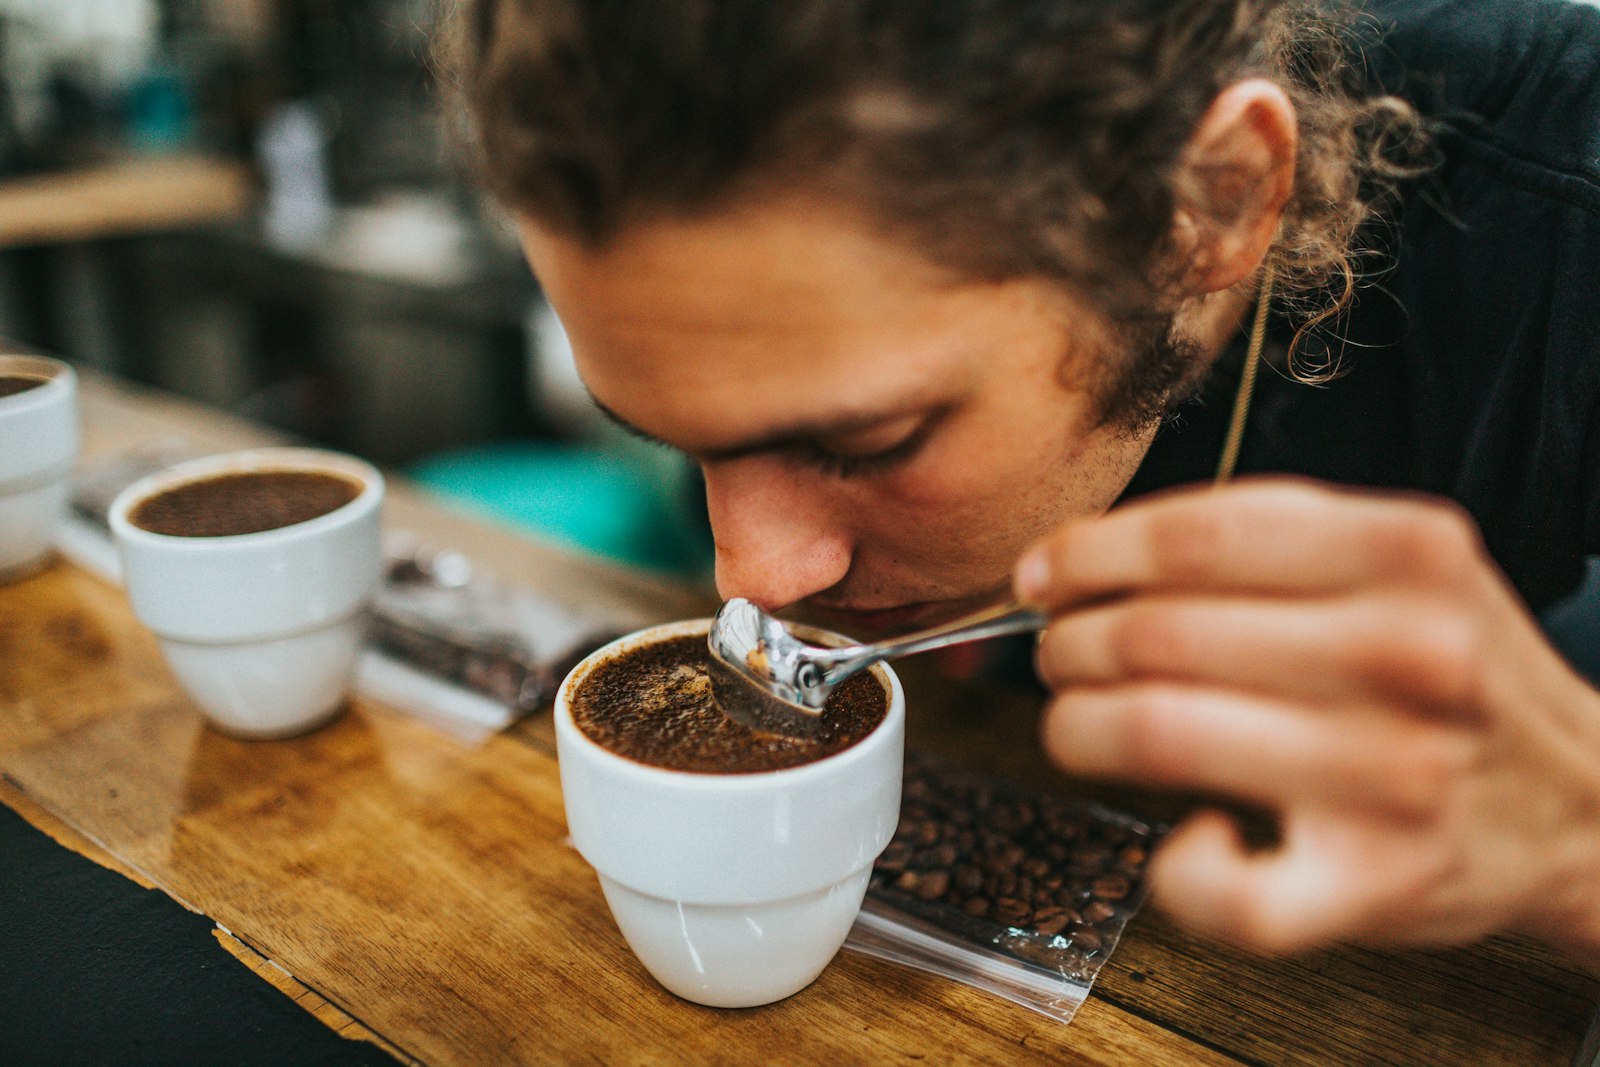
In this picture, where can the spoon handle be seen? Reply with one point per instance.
(991, 622)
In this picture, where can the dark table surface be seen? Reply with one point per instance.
(96, 969)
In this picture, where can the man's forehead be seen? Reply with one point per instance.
(792, 256)
(711, 332)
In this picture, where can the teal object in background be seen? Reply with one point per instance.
(635, 505)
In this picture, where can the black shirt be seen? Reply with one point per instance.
(1472, 368)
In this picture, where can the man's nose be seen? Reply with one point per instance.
(776, 542)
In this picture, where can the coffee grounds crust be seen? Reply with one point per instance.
(653, 705)
(12, 384)
(244, 502)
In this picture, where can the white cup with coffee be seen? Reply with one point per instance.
(38, 444)
(733, 887)
(255, 570)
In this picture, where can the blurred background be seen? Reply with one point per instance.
(255, 203)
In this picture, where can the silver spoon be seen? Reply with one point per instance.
(769, 679)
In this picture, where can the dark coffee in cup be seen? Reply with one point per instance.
(241, 503)
(653, 704)
(12, 384)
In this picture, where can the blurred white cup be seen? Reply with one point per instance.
(263, 630)
(38, 444)
(732, 889)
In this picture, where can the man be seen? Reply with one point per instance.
(928, 288)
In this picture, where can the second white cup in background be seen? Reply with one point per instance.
(38, 444)
(263, 630)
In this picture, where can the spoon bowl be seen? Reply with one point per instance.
(768, 679)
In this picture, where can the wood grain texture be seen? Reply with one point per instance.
(426, 889)
(308, 999)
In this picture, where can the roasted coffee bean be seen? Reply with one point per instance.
(1098, 911)
(1038, 951)
(1038, 865)
(895, 857)
(1093, 856)
(1111, 887)
(1081, 871)
(1086, 938)
(1054, 924)
(933, 885)
(1012, 912)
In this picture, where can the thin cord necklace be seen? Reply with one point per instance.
(1247, 385)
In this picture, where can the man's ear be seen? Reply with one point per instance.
(1236, 175)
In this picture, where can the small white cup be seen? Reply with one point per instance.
(732, 889)
(261, 629)
(38, 444)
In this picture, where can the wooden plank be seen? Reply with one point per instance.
(130, 196)
(65, 836)
(325, 1012)
(427, 888)
(1507, 1002)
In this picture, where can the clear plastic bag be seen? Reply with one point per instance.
(1013, 891)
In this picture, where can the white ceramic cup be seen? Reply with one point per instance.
(732, 889)
(261, 629)
(38, 444)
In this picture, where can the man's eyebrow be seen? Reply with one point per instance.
(780, 440)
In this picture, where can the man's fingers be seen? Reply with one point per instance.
(1260, 536)
(1349, 650)
(1256, 749)
(1284, 901)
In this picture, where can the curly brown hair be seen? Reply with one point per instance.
(1003, 138)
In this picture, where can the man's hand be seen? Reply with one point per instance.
(1355, 662)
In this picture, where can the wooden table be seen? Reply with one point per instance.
(128, 196)
(424, 886)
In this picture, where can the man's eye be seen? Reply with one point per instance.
(859, 466)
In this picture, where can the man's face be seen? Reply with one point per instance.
(880, 439)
